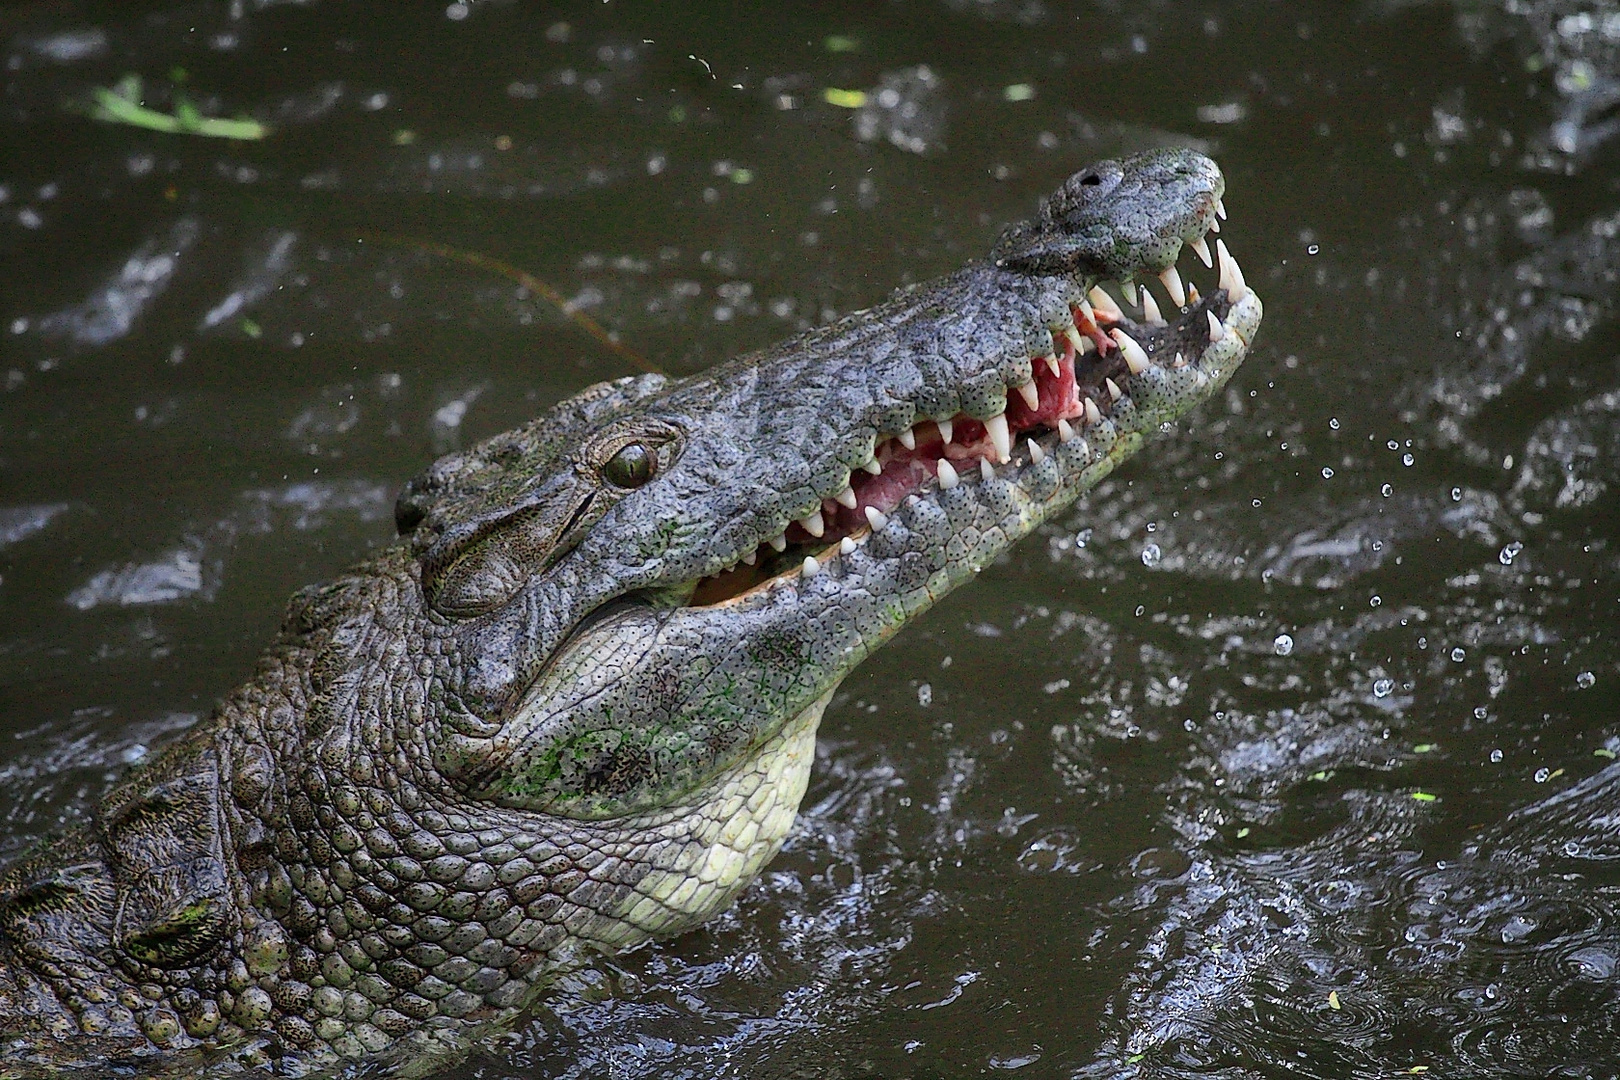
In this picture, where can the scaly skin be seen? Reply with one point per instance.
(526, 729)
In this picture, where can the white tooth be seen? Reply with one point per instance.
(846, 498)
(751, 558)
(1135, 358)
(1216, 330)
(1076, 340)
(1231, 274)
(1104, 304)
(1000, 438)
(812, 523)
(1201, 248)
(1031, 396)
(873, 467)
(1085, 309)
(1214, 225)
(1181, 361)
(1150, 308)
(1053, 366)
(946, 430)
(779, 542)
(811, 568)
(875, 518)
(1113, 389)
(1065, 432)
(846, 546)
(1036, 454)
(1220, 209)
(1172, 283)
(1093, 414)
(986, 473)
(947, 475)
(1192, 293)
(908, 439)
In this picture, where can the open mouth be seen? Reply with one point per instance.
(1083, 382)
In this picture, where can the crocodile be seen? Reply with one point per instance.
(573, 707)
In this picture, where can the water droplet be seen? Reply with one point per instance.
(925, 695)
(1481, 712)
(1383, 688)
(1496, 757)
(1327, 473)
(1375, 601)
(1407, 459)
(1542, 774)
(1393, 445)
(1140, 611)
(1334, 423)
(1509, 553)
(1313, 249)
(1456, 494)
(1387, 490)
(1457, 654)
(1151, 555)
(1283, 645)
(1585, 680)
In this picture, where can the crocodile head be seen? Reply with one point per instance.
(576, 704)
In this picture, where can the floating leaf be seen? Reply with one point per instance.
(844, 99)
(1424, 796)
(1333, 1000)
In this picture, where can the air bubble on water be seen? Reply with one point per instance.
(1393, 445)
(1383, 688)
(1509, 553)
(1313, 249)
(1327, 473)
(1375, 601)
(1151, 555)
(1334, 423)
(1585, 680)
(1140, 611)
(1456, 494)
(1387, 490)
(925, 695)
(1457, 654)
(1283, 645)
(1496, 757)
(1481, 712)
(1542, 774)
(1407, 459)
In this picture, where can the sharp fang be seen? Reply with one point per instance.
(751, 558)
(908, 439)
(1053, 367)
(946, 430)
(1076, 340)
(779, 542)
(1036, 454)
(875, 518)
(811, 568)
(1216, 330)
(1150, 309)
(1085, 309)
(1093, 414)
(1065, 432)
(846, 498)
(846, 546)
(873, 467)
(986, 473)
(812, 523)
(1104, 304)
(1000, 437)
(1192, 293)
(1220, 209)
(1172, 284)
(1201, 248)
(1113, 389)
(1231, 274)
(1135, 358)
(1031, 396)
(947, 475)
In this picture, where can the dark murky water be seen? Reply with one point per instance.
(1290, 753)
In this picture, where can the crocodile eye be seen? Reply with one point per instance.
(631, 467)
